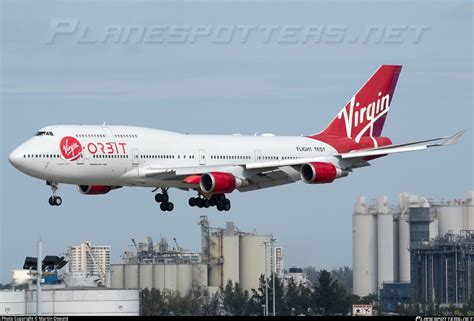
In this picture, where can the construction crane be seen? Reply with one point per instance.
(178, 249)
(135, 244)
(98, 266)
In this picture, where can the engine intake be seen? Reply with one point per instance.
(95, 189)
(219, 183)
(320, 173)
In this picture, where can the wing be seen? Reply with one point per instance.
(402, 148)
(359, 155)
(279, 172)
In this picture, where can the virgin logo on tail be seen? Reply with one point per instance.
(71, 148)
(363, 116)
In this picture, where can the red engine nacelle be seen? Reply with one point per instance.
(95, 189)
(218, 183)
(320, 173)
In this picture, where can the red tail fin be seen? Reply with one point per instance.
(365, 113)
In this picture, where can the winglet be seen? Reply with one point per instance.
(453, 139)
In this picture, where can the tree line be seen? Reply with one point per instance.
(327, 297)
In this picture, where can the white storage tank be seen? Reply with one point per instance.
(364, 242)
(450, 218)
(146, 276)
(434, 225)
(404, 237)
(131, 276)
(231, 259)
(117, 276)
(166, 277)
(252, 260)
(384, 242)
(469, 211)
(184, 278)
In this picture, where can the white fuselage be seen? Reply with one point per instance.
(121, 155)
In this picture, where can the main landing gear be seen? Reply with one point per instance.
(163, 198)
(54, 200)
(218, 200)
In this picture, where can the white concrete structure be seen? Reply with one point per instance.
(384, 242)
(71, 302)
(176, 277)
(450, 218)
(252, 259)
(364, 242)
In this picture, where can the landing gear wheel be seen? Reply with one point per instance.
(58, 201)
(206, 203)
(212, 201)
(220, 207)
(192, 201)
(199, 202)
(226, 205)
(159, 198)
(169, 206)
(165, 198)
(163, 207)
(51, 201)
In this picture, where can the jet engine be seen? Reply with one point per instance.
(95, 189)
(320, 173)
(219, 183)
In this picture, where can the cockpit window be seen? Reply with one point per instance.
(44, 133)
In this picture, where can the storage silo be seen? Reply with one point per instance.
(131, 276)
(364, 242)
(165, 276)
(434, 225)
(404, 239)
(184, 278)
(469, 211)
(146, 276)
(450, 218)
(384, 242)
(252, 259)
(231, 259)
(117, 276)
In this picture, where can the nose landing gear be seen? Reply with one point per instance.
(54, 200)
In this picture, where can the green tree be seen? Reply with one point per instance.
(235, 300)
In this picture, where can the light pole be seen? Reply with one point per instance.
(265, 243)
(273, 272)
(39, 272)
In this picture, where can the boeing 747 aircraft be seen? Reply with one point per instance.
(99, 159)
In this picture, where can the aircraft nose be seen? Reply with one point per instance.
(14, 157)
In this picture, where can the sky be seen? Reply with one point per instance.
(282, 67)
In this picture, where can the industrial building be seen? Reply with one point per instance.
(226, 254)
(383, 236)
(157, 266)
(234, 255)
(71, 302)
(443, 269)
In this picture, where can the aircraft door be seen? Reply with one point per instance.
(202, 157)
(258, 155)
(135, 157)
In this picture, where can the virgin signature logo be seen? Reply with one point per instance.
(364, 117)
(71, 148)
